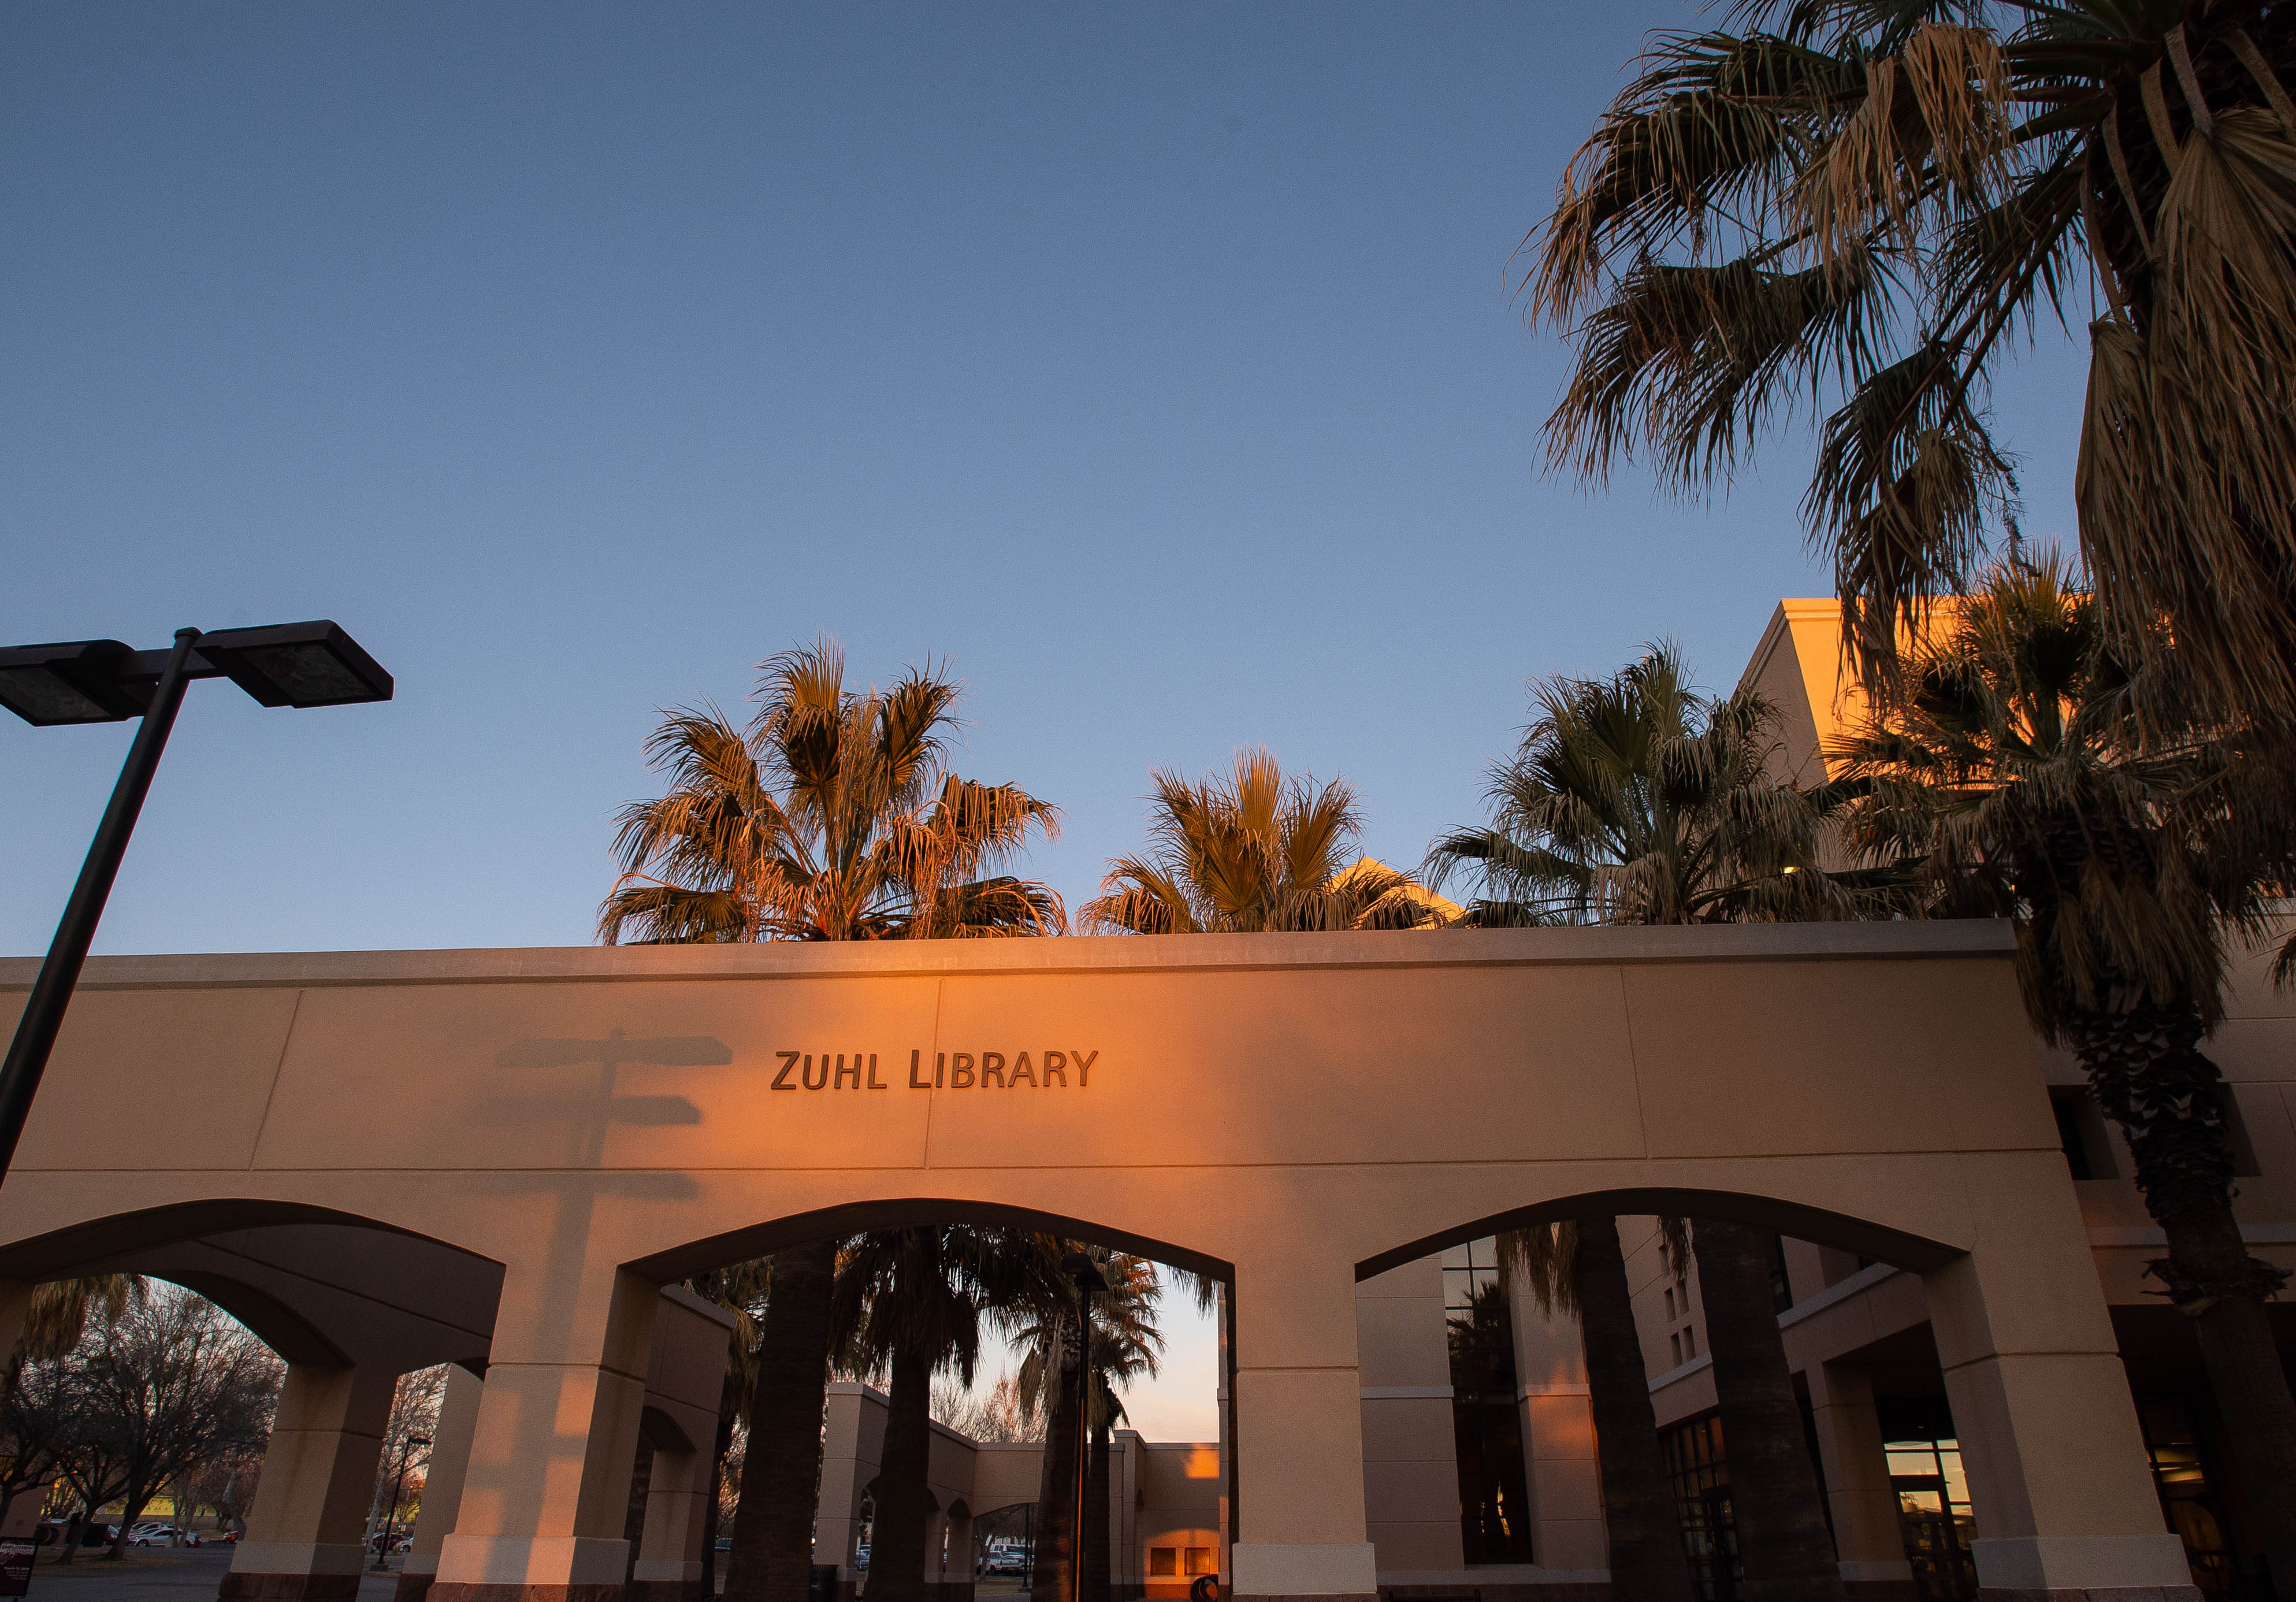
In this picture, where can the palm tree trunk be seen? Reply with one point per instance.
(781, 1471)
(1096, 1566)
(2151, 1079)
(1647, 1560)
(732, 1404)
(1774, 1490)
(1055, 1548)
(897, 1544)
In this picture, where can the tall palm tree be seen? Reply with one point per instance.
(744, 1290)
(1041, 1320)
(1576, 1268)
(1248, 850)
(834, 816)
(2029, 773)
(1126, 1345)
(1632, 799)
(909, 1302)
(1865, 206)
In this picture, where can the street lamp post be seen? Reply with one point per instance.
(390, 1513)
(1088, 1280)
(103, 681)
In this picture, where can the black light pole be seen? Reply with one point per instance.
(103, 681)
(390, 1513)
(1088, 1280)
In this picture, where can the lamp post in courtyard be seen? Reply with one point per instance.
(390, 1512)
(1089, 1280)
(103, 681)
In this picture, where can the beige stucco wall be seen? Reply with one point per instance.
(1285, 1111)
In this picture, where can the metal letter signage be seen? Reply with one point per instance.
(951, 1070)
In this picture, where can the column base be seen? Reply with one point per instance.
(1505, 1590)
(2084, 1568)
(414, 1586)
(257, 1587)
(665, 1580)
(486, 1590)
(293, 1571)
(2092, 1593)
(1270, 1572)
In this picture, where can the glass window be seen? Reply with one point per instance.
(1163, 1562)
(1486, 1427)
(1700, 1477)
(1934, 1516)
(1200, 1562)
(2180, 1474)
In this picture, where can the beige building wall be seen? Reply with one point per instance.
(548, 1138)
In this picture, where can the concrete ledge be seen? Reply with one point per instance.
(1502, 1590)
(491, 1561)
(248, 1586)
(452, 1592)
(1131, 953)
(1320, 1572)
(2092, 1593)
(298, 1557)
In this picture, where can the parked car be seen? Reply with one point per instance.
(1007, 1562)
(149, 1534)
(52, 1531)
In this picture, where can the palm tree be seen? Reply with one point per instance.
(1041, 1320)
(744, 1289)
(909, 1301)
(1251, 851)
(1869, 205)
(1576, 1267)
(2031, 774)
(1631, 799)
(780, 1494)
(1126, 1345)
(834, 816)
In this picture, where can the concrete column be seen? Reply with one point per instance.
(303, 1541)
(2062, 1492)
(442, 1485)
(1299, 1432)
(1410, 1447)
(669, 1553)
(1866, 1534)
(1564, 1478)
(855, 1434)
(548, 1493)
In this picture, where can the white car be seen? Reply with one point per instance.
(151, 1535)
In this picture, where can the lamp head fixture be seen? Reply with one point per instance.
(103, 681)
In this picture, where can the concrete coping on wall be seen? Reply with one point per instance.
(1080, 953)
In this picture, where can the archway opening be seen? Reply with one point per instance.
(1478, 1385)
(986, 1456)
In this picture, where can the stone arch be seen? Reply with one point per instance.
(763, 1238)
(1803, 1221)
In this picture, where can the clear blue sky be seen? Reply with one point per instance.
(1156, 366)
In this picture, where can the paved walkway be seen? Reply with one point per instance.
(157, 1574)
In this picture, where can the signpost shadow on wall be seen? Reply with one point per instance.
(589, 1111)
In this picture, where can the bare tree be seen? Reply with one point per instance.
(994, 1416)
(163, 1386)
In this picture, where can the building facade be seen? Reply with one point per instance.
(509, 1160)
